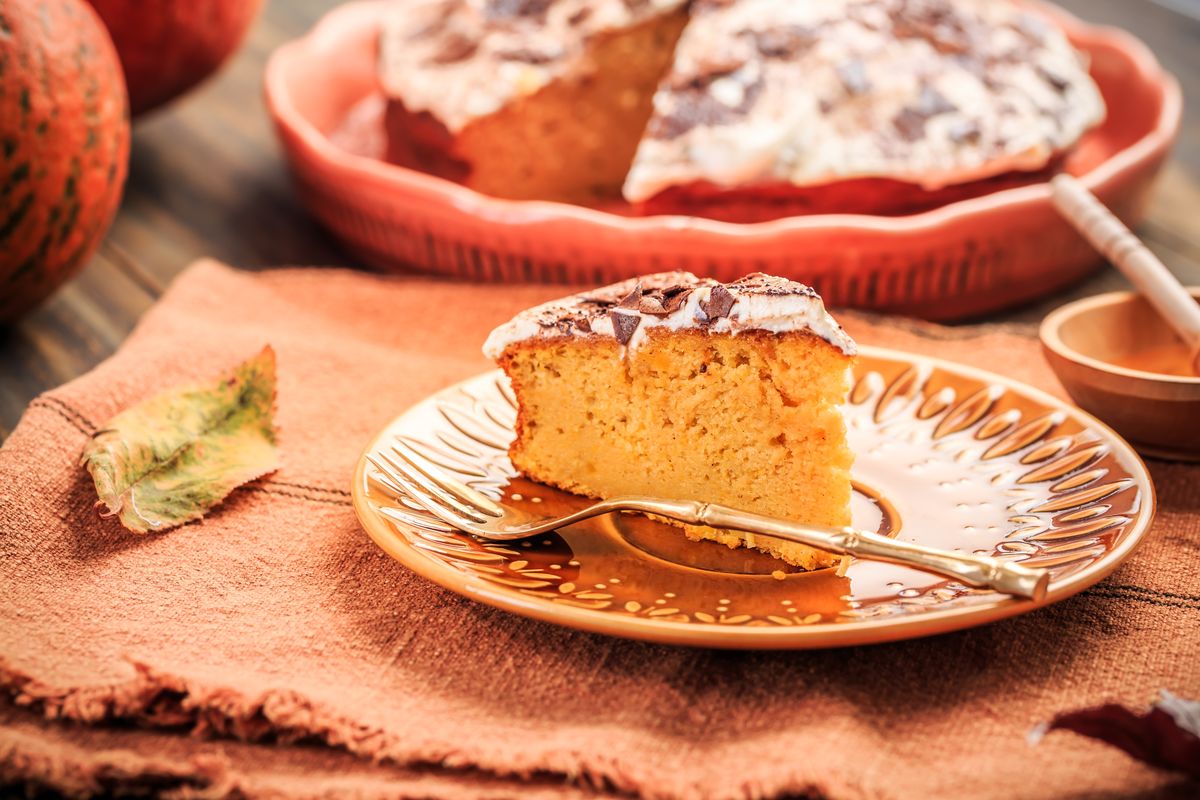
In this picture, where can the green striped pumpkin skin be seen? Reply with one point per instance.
(64, 145)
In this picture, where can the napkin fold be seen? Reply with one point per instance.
(272, 650)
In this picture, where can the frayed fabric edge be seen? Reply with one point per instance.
(158, 699)
(163, 700)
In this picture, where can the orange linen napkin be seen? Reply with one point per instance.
(276, 620)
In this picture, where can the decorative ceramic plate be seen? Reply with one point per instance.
(964, 258)
(946, 456)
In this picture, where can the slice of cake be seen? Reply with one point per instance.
(686, 388)
(779, 106)
(542, 99)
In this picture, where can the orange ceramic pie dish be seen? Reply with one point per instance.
(962, 258)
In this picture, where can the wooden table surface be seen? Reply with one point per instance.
(206, 179)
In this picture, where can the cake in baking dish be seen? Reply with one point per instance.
(686, 388)
(733, 107)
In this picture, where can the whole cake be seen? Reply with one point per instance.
(686, 388)
(733, 108)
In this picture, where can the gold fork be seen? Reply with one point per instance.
(405, 471)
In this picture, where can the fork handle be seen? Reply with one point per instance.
(980, 571)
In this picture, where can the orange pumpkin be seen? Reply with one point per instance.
(168, 46)
(64, 145)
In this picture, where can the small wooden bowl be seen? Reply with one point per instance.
(1087, 341)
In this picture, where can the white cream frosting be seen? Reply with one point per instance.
(759, 303)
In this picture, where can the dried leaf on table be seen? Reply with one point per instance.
(1167, 736)
(170, 459)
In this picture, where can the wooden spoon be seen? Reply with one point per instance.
(1120, 246)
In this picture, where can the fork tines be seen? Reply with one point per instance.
(432, 488)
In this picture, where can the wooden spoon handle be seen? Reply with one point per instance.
(1119, 244)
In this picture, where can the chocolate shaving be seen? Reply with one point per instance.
(528, 55)
(719, 303)
(579, 16)
(707, 70)
(980, 67)
(596, 300)
(932, 102)
(853, 75)
(963, 131)
(784, 42)
(1059, 83)
(711, 67)
(624, 324)
(935, 22)
(992, 82)
(507, 9)
(762, 284)
(695, 107)
(455, 48)
(653, 306)
(675, 297)
(632, 299)
(909, 123)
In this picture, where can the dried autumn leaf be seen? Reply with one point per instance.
(171, 458)
(1167, 736)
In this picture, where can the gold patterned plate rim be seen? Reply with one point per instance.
(920, 387)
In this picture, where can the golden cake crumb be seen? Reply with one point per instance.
(748, 418)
